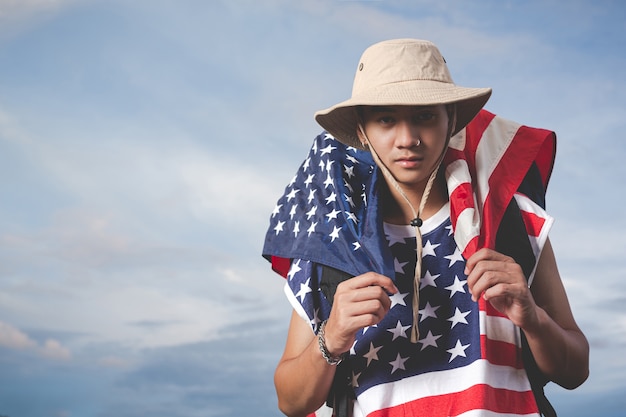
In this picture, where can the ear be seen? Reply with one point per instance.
(359, 134)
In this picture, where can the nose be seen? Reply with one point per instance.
(407, 134)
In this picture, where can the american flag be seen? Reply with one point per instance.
(329, 215)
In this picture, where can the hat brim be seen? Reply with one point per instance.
(341, 119)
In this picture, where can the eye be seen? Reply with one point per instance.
(424, 117)
(386, 120)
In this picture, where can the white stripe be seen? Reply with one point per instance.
(538, 242)
(324, 411)
(487, 413)
(466, 228)
(500, 329)
(457, 173)
(293, 300)
(468, 221)
(493, 144)
(442, 383)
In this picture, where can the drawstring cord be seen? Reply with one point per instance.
(417, 221)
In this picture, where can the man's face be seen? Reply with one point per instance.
(409, 140)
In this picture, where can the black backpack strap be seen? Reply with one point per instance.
(341, 393)
(512, 240)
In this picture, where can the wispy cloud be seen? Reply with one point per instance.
(13, 338)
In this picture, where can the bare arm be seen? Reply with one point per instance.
(559, 346)
(303, 377)
(542, 312)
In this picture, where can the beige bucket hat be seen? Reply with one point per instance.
(401, 72)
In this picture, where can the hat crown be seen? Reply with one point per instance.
(398, 61)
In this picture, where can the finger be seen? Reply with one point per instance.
(488, 274)
(370, 293)
(482, 255)
(371, 279)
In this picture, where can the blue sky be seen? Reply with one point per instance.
(143, 145)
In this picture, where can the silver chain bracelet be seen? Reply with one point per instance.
(325, 353)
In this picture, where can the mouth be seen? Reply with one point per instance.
(410, 161)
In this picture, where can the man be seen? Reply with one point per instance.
(403, 281)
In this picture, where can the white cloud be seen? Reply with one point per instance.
(53, 349)
(15, 339)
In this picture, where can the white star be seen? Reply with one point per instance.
(311, 196)
(398, 363)
(450, 231)
(352, 159)
(292, 180)
(311, 228)
(372, 355)
(355, 380)
(399, 266)
(357, 245)
(309, 179)
(458, 350)
(428, 311)
(394, 239)
(279, 227)
(276, 209)
(429, 340)
(428, 280)
(333, 214)
(296, 228)
(455, 257)
(311, 212)
(328, 149)
(304, 290)
(329, 181)
(329, 165)
(352, 351)
(305, 166)
(292, 194)
(349, 200)
(335, 233)
(349, 171)
(366, 328)
(295, 268)
(348, 186)
(332, 197)
(398, 331)
(292, 212)
(351, 216)
(458, 317)
(397, 298)
(429, 249)
(316, 319)
(457, 286)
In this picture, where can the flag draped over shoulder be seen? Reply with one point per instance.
(330, 212)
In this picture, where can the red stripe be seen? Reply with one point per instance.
(534, 224)
(477, 397)
(461, 198)
(486, 306)
(473, 134)
(501, 353)
(281, 265)
(529, 145)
